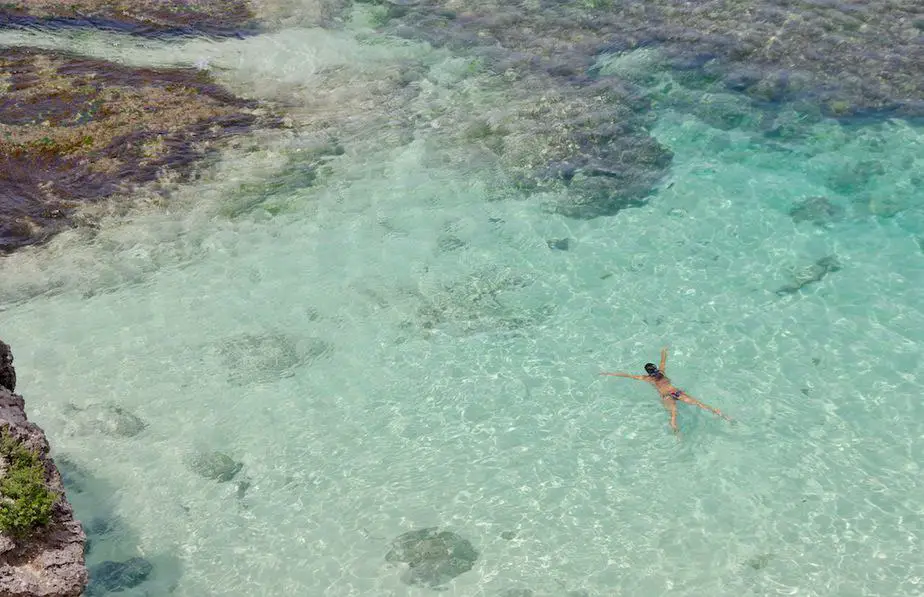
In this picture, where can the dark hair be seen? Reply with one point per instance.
(652, 370)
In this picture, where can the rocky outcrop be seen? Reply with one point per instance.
(47, 562)
(7, 372)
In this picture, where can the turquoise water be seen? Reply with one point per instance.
(451, 357)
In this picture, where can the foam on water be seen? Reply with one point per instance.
(458, 386)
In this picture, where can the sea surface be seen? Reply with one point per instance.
(400, 342)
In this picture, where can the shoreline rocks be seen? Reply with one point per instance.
(50, 561)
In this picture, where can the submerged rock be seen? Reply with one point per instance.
(810, 274)
(97, 529)
(113, 577)
(559, 244)
(214, 465)
(760, 561)
(48, 559)
(256, 358)
(820, 211)
(74, 477)
(242, 486)
(855, 175)
(450, 242)
(110, 419)
(433, 557)
(482, 301)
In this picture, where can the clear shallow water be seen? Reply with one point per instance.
(459, 387)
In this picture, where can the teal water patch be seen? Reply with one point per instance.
(396, 349)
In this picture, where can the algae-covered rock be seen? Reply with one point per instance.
(76, 130)
(215, 17)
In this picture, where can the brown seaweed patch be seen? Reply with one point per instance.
(75, 130)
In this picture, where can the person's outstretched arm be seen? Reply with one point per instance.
(663, 359)
(638, 377)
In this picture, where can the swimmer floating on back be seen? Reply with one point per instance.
(670, 393)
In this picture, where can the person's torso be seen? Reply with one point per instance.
(666, 388)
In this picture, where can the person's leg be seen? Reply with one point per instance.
(691, 400)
